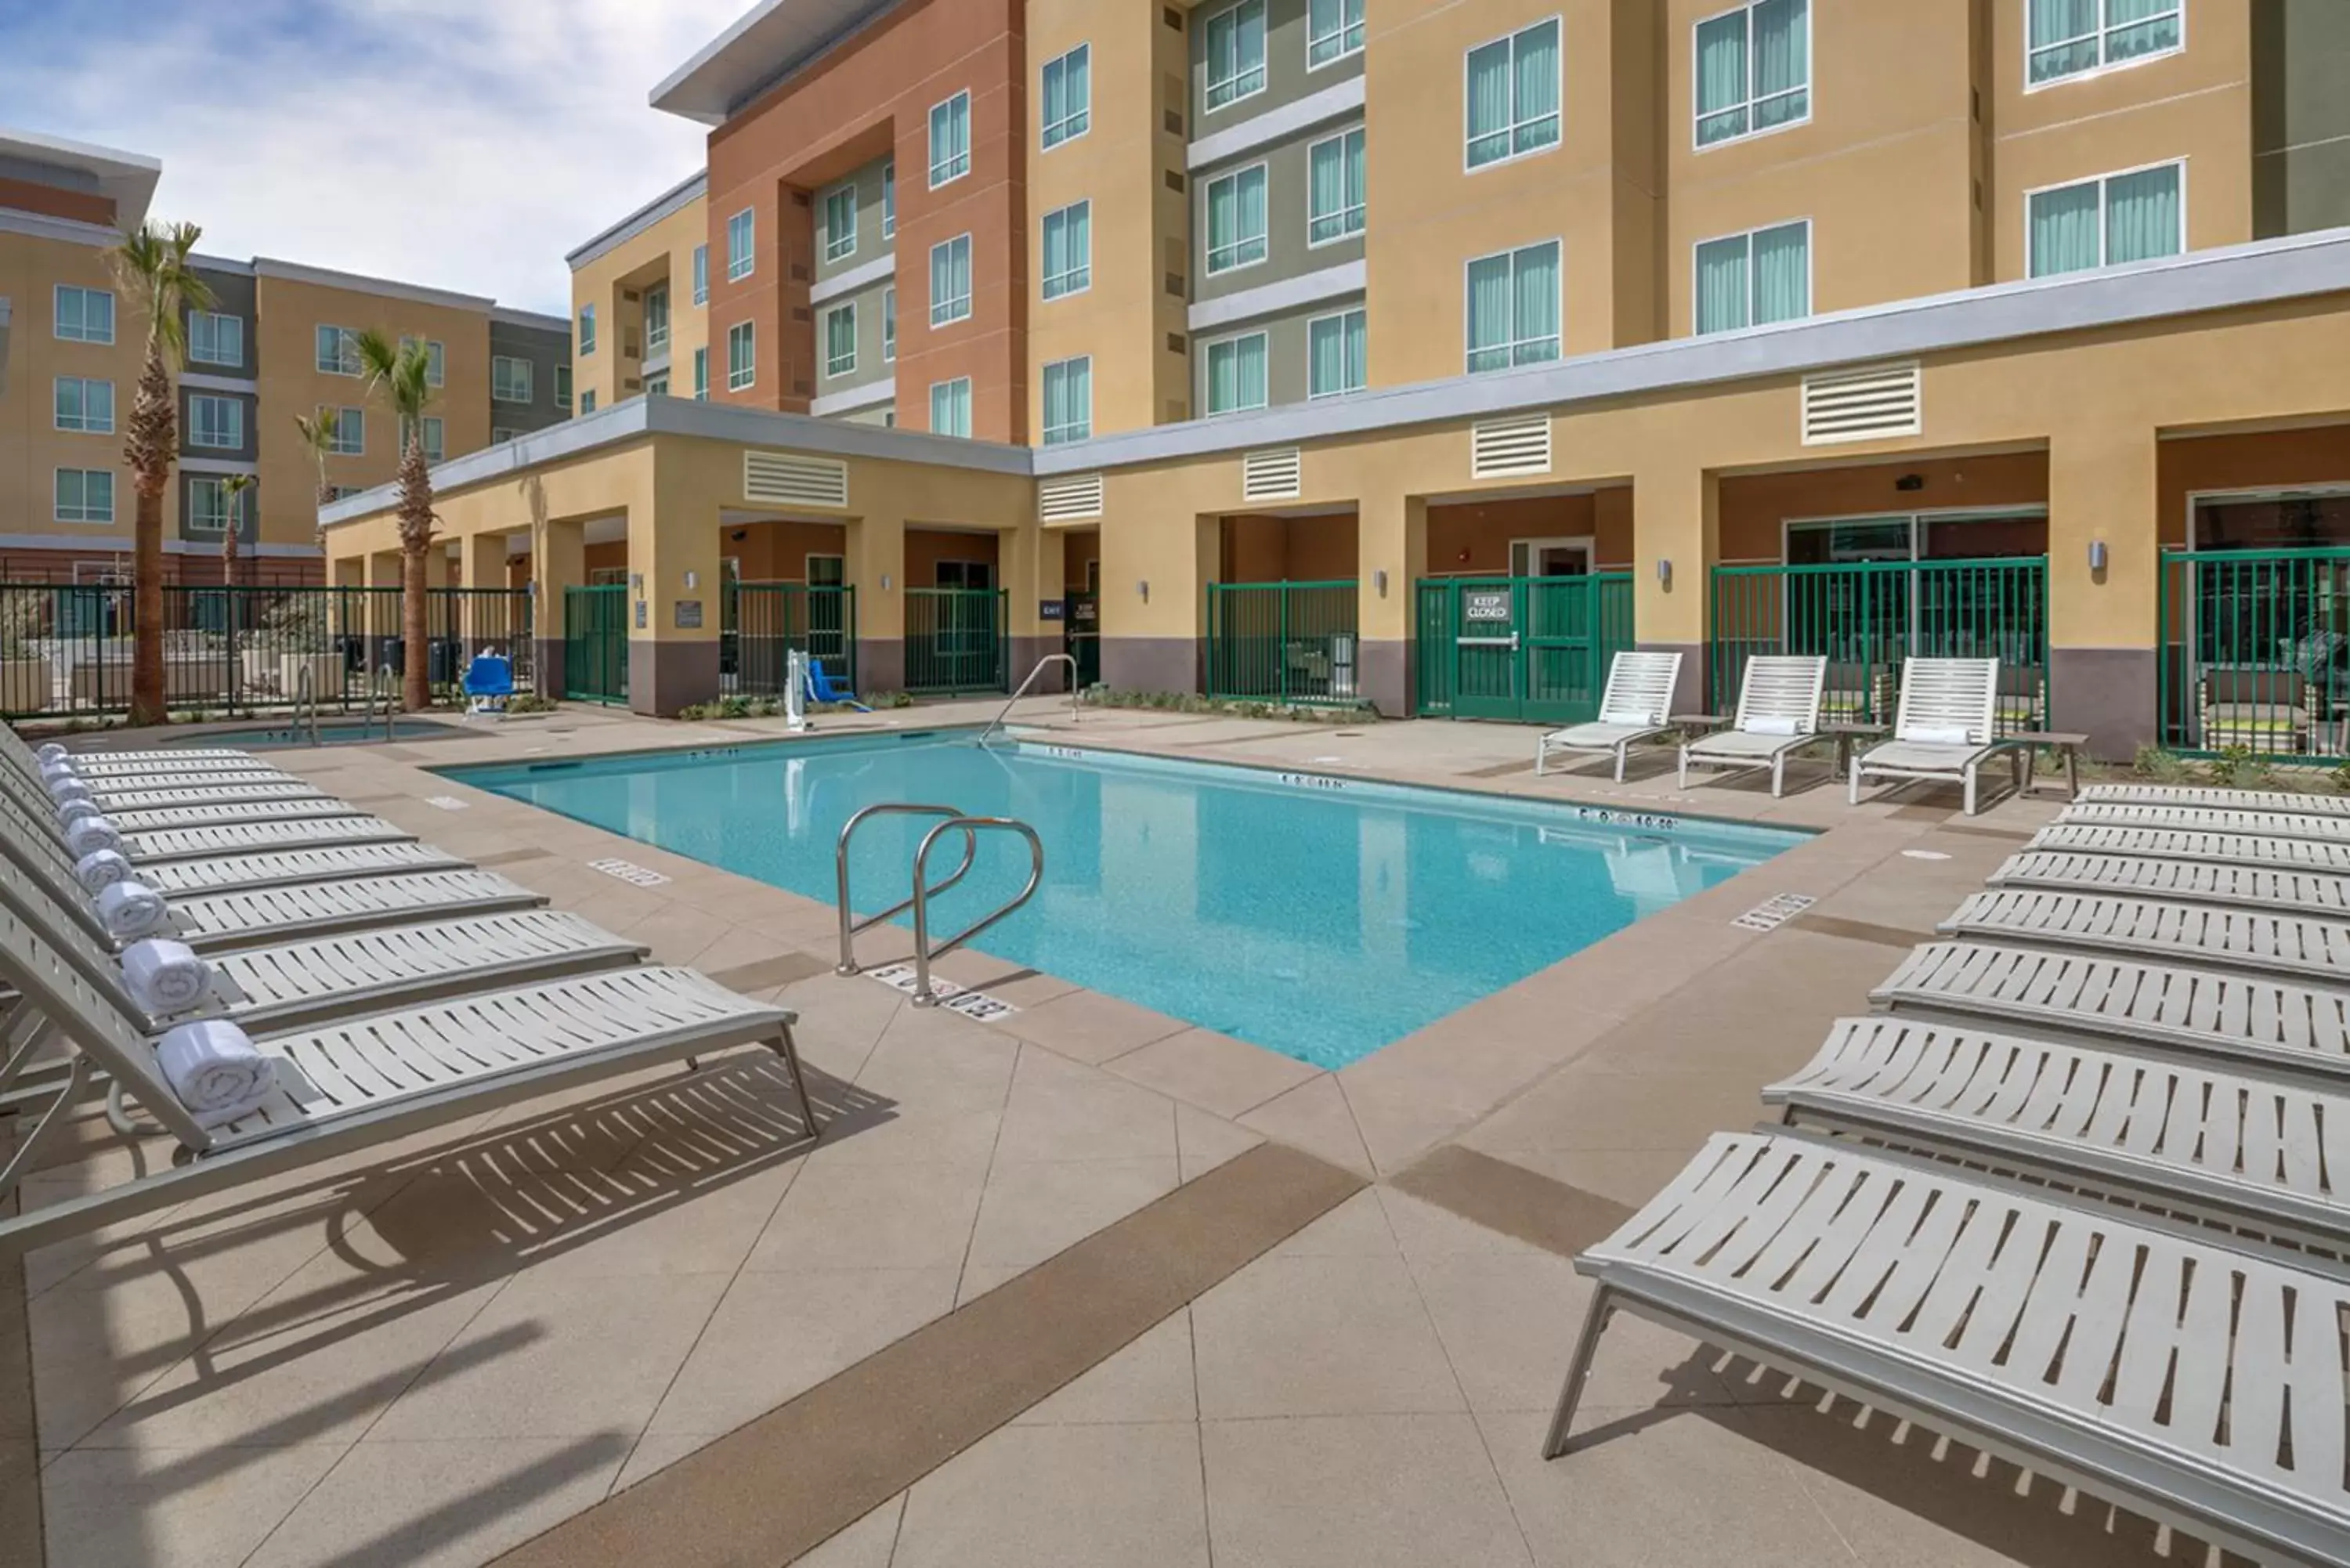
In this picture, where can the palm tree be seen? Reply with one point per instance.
(401, 376)
(150, 266)
(321, 436)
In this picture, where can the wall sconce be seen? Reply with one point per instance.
(885, 582)
(2096, 554)
(1380, 577)
(1664, 573)
(692, 581)
(1143, 588)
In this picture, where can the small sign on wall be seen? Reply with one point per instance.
(640, 615)
(1487, 604)
(689, 615)
(1051, 609)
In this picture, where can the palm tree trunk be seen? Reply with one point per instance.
(231, 602)
(154, 436)
(415, 539)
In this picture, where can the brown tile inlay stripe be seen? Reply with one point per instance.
(512, 858)
(1860, 930)
(1923, 814)
(1518, 1202)
(1497, 771)
(765, 974)
(1970, 831)
(775, 1489)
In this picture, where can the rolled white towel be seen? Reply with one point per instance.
(52, 751)
(132, 909)
(59, 768)
(62, 790)
(73, 811)
(101, 869)
(91, 835)
(165, 976)
(212, 1067)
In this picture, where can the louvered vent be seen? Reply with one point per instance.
(1500, 449)
(1270, 475)
(1070, 500)
(1863, 404)
(782, 479)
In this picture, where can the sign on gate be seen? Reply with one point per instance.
(1488, 604)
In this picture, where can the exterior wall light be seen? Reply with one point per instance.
(1664, 572)
(2096, 554)
(885, 582)
(1143, 588)
(1381, 578)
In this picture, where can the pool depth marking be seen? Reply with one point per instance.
(629, 871)
(1772, 913)
(952, 997)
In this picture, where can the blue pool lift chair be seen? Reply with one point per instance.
(820, 689)
(489, 681)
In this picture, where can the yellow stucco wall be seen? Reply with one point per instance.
(661, 254)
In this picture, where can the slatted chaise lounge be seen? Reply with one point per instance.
(2198, 1384)
(2213, 799)
(2327, 827)
(1778, 714)
(2200, 881)
(1945, 729)
(215, 789)
(2261, 941)
(141, 811)
(1635, 707)
(2173, 844)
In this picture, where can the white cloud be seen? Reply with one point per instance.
(462, 144)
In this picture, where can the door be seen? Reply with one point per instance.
(1488, 671)
(1081, 635)
(828, 618)
(596, 643)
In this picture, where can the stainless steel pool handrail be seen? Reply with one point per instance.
(850, 924)
(305, 702)
(972, 828)
(1076, 710)
(386, 686)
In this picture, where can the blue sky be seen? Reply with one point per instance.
(465, 144)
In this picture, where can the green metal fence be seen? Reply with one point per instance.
(765, 623)
(1532, 648)
(596, 643)
(955, 640)
(1865, 617)
(2255, 652)
(1285, 642)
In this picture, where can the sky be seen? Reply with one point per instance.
(460, 144)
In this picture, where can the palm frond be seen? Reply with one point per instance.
(153, 265)
(401, 373)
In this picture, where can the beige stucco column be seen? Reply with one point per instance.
(1154, 571)
(1029, 567)
(2104, 628)
(1677, 519)
(876, 568)
(491, 619)
(558, 560)
(675, 584)
(1391, 548)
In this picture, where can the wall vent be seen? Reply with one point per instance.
(1867, 404)
(1501, 449)
(1271, 475)
(799, 272)
(784, 480)
(1174, 343)
(1175, 285)
(1175, 122)
(1070, 500)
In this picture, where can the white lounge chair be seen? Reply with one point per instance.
(2202, 881)
(1633, 706)
(2210, 799)
(1944, 729)
(146, 809)
(2321, 825)
(2173, 844)
(205, 789)
(1778, 714)
(23, 836)
(2205, 935)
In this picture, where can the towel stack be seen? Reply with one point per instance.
(165, 977)
(73, 811)
(129, 910)
(101, 869)
(65, 787)
(91, 833)
(212, 1067)
(51, 751)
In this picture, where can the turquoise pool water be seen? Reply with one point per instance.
(1317, 917)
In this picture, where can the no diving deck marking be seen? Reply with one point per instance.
(1772, 913)
(954, 998)
(629, 871)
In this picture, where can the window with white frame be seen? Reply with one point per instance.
(350, 439)
(1752, 279)
(1235, 44)
(84, 405)
(436, 361)
(1236, 374)
(1236, 220)
(840, 339)
(85, 495)
(1068, 96)
(215, 340)
(701, 274)
(888, 325)
(950, 140)
(1338, 353)
(501, 436)
(951, 407)
(701, 375)
(742, 355)
(1334, 29)
(215, 422)
(1512, 94)
(889, 201)
(657, 385)
(840, 222)
(2134, 215)
(741, 236)
(1513, 307)
(2073, 38)
(951, 281)
(563, 386)
(1336, 181)
(656, 318)
(1068, 250)
(587, 329)
(434, 437)
(1754, 68)
(510, 379)
(84, 315)
(587, 401)
(1069, 400)
(338, 351)
(210, 505)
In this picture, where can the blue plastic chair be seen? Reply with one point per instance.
(489, 681)
(820, 689)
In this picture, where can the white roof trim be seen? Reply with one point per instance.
(506, 316)
(126, 178)
(674, 200)
(772, 41)
(41, 226)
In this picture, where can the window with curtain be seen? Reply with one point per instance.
(84, 405)
(951, 407)
(339, 347)
(741, 231)
(1235, 52)
(1513, 307)
(510, 379)
(1334, 29)
(950, 140)
(701, 375)
(86, 316)
(210, 508)
(217, 422)
(742, 355)
(702, 275)
(1513, 95)
(1338, 354)
(1236, 220)
(350, 439)
(840, 339)
(1069, 400)
(2104, 221)
(1755, 278)
(889, 200)
(1336, 183)
(434, 437)
(656, 319)
(1068, 96)
(840, 222)
(85, 495)
(951, 281)
(1068, 250)
(1753, 69)
(563, 386)
(888, 325)
(1236, 374)
(214, 339)
(2072, 38)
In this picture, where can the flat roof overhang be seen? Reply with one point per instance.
(768, 43)
(126, 178)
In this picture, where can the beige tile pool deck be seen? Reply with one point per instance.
(435, 1353)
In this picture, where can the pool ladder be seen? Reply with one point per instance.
(953, 820)
(1076, 708)
(305, 702)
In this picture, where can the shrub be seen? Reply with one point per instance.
(2163, 767)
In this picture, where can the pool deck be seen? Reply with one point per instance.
(1082, 1286)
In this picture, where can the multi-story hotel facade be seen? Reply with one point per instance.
(1503, 332)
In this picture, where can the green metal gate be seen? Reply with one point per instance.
(2255, 652)
(1081, 636)
(596, 643)
(764, 623)
(1285, 642)
(1529, 648)
(954, 640)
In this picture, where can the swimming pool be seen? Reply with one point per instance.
(1319, 916)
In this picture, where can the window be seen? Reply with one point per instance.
(951, 407)
(338, 351)
(587, 401)
(1513, 307)
(1069, 400)
(1236, 53)
(341, 491)
(888, 325)
(1513, 95)
(215, 340)
(701, 375)
(587, 329)
(1068, 250)
(950, 140)
(702, 275)
(1068, 96)
(210, 507)
(85, 495)
(742, 355)
(657, 386)
(84, 405)
(1754, 279)
(87, 315)
(840, 339)
(563, 386)
(1335, 179)
(889, 200)
(656, 319)
(1236, 220)
(1334, 29)
(840, 222)
(510, 380)
(217, 423)
(351, 431)
(2107, 221)
(436, 362)
(435, 438)
(1236, 374)
(951, 281)
(500, 435)
(1338, 354)
(1753, 69)
(742, 231)
(2072, 37)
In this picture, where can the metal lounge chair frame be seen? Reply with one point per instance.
(1635, 705)
(1774, 687)
(1960, 694)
